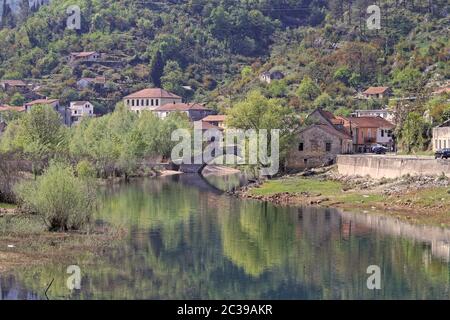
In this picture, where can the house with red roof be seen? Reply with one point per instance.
(84, 56)
(377, 92)
(217, 120)
(368, 132)
(149, 99)
(194, 111)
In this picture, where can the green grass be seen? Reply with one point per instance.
(271, 187)
(7, 205)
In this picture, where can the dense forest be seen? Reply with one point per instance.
(213, 51)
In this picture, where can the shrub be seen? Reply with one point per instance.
(64, 201)
(86, 170)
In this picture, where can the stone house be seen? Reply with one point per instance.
(194, 111)
(79, 110)
(269, 76)
(91, 82)
(320, 142)
(54, 103)
(377, 92)
(150, 99)
(441, 136)
(13, 85)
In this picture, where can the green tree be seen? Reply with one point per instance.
(413, 133)
(308, 91)
(157, 69)
(409, 80)
(64, 201)
(173, 79)
(17, 99)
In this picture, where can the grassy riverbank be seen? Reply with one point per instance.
(423, 205)
(25, 242)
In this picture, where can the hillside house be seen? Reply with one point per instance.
(377, 92)
(368, 132)
(194, 111)
(84, 83)
(80, 110)
(150, 99)
(216, 120)
(442, 90)
(54, 103)
(269, 76)
(382, 113)
(91, 56)
(13, 85)
(441, 136)
(319, 143)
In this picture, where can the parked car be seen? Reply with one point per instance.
(442, 154)
(379, 149)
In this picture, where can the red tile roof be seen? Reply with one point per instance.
(376, 90)
(330, 130)
(370, 122)
(153, 93)
(11, 108)
(181, 107)
(41, 101)
(207, 126)
(83, 54)
(215, 118)
(14, 83)
(442, 90)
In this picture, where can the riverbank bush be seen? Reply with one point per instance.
(64, 201)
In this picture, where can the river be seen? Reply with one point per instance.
(189, 240)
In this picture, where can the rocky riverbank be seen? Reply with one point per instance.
(420, 199)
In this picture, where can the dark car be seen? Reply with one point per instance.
(379, 150)
(442, 154)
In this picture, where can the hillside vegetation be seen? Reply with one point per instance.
(219, 47)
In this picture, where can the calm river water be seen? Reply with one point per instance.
(189, 240)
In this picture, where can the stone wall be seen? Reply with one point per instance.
(314, 153)
(391, 166)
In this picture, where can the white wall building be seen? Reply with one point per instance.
(150, 99)
(80, 109)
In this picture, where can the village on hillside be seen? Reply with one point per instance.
(323, 136)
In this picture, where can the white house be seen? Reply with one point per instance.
(441, 136)
(80, 109)
(382, 113)
(269, 76)
(150, 99)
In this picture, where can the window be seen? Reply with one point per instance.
(328, 147)
(132, 103)
(128, 102)
(157, 102)
(440, 147)
(147, 102)
(300, 146)
(382, 133)
(152, 102)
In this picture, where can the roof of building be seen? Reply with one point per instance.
(153, 93)
(11, 108)
(181, 107)
(14, 83)
(215, 118)
(376, 90)
(370, 122)
(330, 130)
(79, 103)
(207, 126)
(41, 101)
(83, 54)
(95, 80)
(442, 90)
